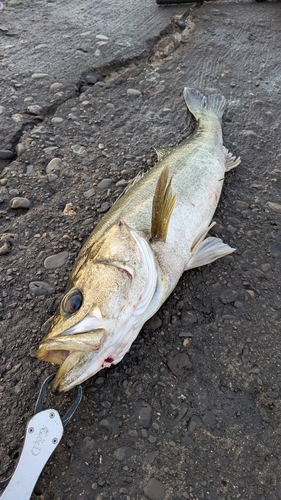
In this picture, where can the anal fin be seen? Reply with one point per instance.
(162, 207)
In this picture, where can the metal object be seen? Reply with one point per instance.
(43, 434)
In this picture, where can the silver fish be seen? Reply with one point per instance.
(136, 254)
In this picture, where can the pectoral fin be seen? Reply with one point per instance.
(207, 251)
(162, 208)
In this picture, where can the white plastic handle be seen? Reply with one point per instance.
(43, 434)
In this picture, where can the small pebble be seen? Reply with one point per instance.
(34, 109)
(104, 207)
(38, 76)
(275, 249)
(57, 119)
(104, 184)
(55, 261)
(52, 177)
(154, 490)
(5, 247)
(56, 86)
(153, 323)
(276, 207)
(6, 154)
(20, 149)
(122, 183)
(133, 92)
(179, 363)
(102, 37)
(143, 413)
(41, 288)
(19, 202)
(110, 424)
(53, 165)
(91, 79)
(77, 149)
(89, 193)
(14, 192)
(123, 453)
(228, 296)
(194, 423)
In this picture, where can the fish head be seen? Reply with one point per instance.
(102, 311)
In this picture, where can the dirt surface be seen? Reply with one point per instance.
(193, 410)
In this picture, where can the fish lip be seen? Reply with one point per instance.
(61, 383)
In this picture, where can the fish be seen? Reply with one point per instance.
(137, 253)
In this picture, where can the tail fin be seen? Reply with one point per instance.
(198, 103)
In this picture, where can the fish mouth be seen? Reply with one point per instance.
(73, 353)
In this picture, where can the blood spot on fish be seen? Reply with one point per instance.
(109, 360)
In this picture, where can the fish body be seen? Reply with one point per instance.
(136, 254)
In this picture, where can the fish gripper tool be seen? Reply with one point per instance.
(43, 434)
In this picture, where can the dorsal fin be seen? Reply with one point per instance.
(162, 153)
(162, 208)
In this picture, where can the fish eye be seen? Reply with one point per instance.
(72, 302)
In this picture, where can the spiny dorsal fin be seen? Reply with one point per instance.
(130, 184)
(162, 153)
(162, 208)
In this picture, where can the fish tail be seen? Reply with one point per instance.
(198, 103)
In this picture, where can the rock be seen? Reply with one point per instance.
(102, 37)
(89, 193)
(5, 247)
(194, 423)
(275, 249)
(34, 109)
(104, 184)
(6, 154)
(91, 79)
(20, 149)
(110, 424)
(133, 93)
(123, 453)
(179, 363)
(41, 288)
(57, 119)
(14, 192)
(53, 165)
(228, 296)
(143, 412)
(38, 76)
(276, 207)
(153, 323)
(273, 394)
(55, 261)
(150, 456)
(9, 237)
(122, 183)
(77, 149)
(52, 177)
(19, 202)
(154, 490)
(188, 317)
(104, 207)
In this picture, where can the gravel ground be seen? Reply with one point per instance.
(193, 410)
